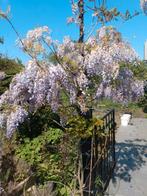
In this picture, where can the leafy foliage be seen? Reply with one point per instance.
(43, 150)
(47, 149)
(38, 122)
(81, 127)
(139, 69)
(10, 68)
(41, 154)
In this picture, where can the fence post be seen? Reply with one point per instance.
(85, 146)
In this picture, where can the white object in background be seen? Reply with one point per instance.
(125, 118)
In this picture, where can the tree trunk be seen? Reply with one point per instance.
(81, 20)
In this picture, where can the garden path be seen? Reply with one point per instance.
(130, 175)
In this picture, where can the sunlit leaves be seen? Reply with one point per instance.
(81, 127)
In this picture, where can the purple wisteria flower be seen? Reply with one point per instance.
(42, 82)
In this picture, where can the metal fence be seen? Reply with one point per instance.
(98, 153)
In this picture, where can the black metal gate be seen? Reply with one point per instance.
(98, 153)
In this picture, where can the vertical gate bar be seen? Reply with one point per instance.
(104, 152)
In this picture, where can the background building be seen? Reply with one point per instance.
(145, 51)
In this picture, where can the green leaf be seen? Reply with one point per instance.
(63, 191)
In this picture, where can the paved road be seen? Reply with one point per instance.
(130, 176)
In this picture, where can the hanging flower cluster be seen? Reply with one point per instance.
(124, 89)
(75, 66)
(33, 43)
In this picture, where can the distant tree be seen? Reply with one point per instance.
(8, 68)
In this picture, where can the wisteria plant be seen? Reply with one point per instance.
(78, 68)
(69, 75)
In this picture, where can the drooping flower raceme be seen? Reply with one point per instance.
(124, 89)
(42, 82)
(15, 118)
(109, 51)
(33, 43)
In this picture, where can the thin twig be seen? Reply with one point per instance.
(20, 39)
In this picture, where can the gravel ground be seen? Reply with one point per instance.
(130, 176)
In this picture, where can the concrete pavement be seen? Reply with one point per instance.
(130, 175)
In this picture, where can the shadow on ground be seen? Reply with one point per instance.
(130, 156)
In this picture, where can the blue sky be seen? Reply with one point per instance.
(28, 14)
